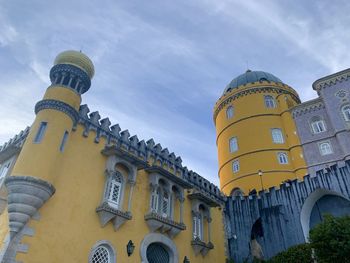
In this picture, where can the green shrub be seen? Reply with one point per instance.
(296, 254)
(331, 239)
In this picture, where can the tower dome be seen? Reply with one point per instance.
(77, 59)
(250, 77)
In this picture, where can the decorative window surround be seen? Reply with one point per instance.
(112, 210)
(165, 225)
(200, 201)
(164, 183)
(103, 251)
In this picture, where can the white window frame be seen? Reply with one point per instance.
(233, 145)
(346, 112)
(269, 101)
(282, 158)
(197, 227)
(235, 166)
(113, 184)
(165, 204)
(229, 112)
(318, 125)
(107, 247)
(41, 132)
(327, 149)
(277, 135)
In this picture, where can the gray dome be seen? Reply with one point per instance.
(250, 77)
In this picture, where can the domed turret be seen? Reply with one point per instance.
(77, 59)
(251, 77)
(72, 69)
(257, 144)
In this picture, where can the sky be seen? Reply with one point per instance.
(161, 65)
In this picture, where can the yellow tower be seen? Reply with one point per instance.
(34, 173)
(258, 146)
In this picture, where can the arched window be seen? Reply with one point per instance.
(102, 252)
(318, 125)
(114, 190)
(236, 192)
(229, 112)
(235, 166)
(282, 158)
(325, 148)
(165, 204)
(157, 253)
(233, 144)
(346, 112)
(269, 101)
(277, 136)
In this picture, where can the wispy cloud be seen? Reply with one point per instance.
(160, 66)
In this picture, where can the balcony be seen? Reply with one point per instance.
(162, 224)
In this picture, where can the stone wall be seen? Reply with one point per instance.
(276, 219)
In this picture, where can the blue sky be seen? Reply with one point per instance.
(161, 65)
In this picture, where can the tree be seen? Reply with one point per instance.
(331, 239)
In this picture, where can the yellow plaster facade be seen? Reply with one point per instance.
(83, 197)
(251, 123)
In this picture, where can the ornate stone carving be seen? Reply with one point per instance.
(201, 247)
(107, 213)
(58, 105)
(165, 225)
(26, 195)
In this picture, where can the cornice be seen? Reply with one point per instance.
(307, 107)
(252, 90)
(331, 79)
(59, 106)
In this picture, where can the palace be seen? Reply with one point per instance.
(74, 188)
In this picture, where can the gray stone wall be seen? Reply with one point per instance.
(285, 214)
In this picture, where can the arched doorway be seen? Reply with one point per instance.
(320, 202)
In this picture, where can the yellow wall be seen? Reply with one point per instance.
(251, 124)
(69, 226)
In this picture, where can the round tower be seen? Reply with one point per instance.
(258, 146)
(33, 176)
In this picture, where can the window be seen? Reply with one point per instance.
(197, 227)
(233, 145)
(102, 252)
(282, 158)
(165, 205)
(64, 140)
(318, 125)
(277, 136)
(346, 112)
(114, 190)
(101, 255)
(41, 131)
(235, 166)
(229, 112)
(157, 253)
(325, 148)
(269, 101)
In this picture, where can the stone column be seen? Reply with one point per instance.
(132, 184)
(182, 200)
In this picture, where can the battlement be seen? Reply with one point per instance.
(320, 180)
(14, 145)
(147, 151)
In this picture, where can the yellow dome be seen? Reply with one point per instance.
(77, 59)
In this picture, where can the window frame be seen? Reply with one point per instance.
(233, 144)
(106, 245)
(282, 158)
(318, 125)
(330, 148)
(277, 138)
(345, 109)
(39, 136)
(269, 101)
(236, 164)
(230, 112)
